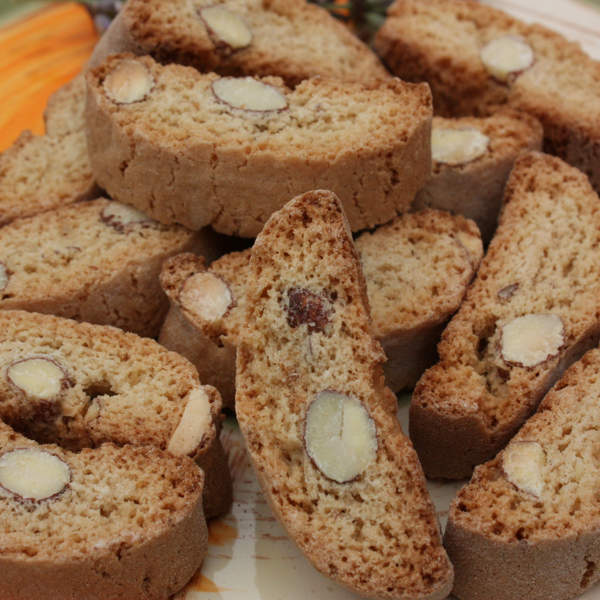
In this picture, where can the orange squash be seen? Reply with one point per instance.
(38, 54)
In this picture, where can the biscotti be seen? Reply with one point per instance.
(533, 309)
(472, 158)
(39, 173)
(319, 424)
(477, 59)
(96, 261)
(417, 269)
(80, 385)
(291, 39)
(206, 312)
(123, 523)
(527, 524)
(202, 149)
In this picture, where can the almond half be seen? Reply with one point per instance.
(247, 93)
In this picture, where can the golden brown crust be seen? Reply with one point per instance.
(291, 39)
(552, 570)
(469, 405)
(214, 361)
(218, 491)
(439, 42)
(231, 174)
(376, 534)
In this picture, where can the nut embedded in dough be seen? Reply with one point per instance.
(33, 474)
(226, 28)
(206, 296)
(249, 94)
(306, 307)
(119, 216)
(38, 377)
(508, 291)
(129, 82)
(339, 436)
(523, 463)
(531, 339)
(506, 56)
(457, 146)
(194, 423)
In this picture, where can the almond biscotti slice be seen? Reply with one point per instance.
(291, 39)
(533, 309)
(477, 58)
(318, 421)
(202, 149)
(81, 385)
(417, 269)
(527, 524)
(118, 523)
(39, 173)
(206, 314)
(96, 261)
(472, 158)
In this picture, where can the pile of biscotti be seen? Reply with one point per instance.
(306, 227)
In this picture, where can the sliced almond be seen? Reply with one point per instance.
(33, 474)
(457, 146)
(120, 216)
(506, 56)
(226, 27)
(39, 377)
(523, 464)
(129, 82)
(206, 296)
(507, 292)
(339, 436)
(247, 93)
(193, 425)
(531, 339)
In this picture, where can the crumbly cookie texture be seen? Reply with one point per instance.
(417, 269)
(477, 59)
(472, 158)
(290, 39)
(526, 526)
(50, 264)
(531, 311)
(81, 385)
(40, 173)
(200, 149)
(319, 424)
(113, 522)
